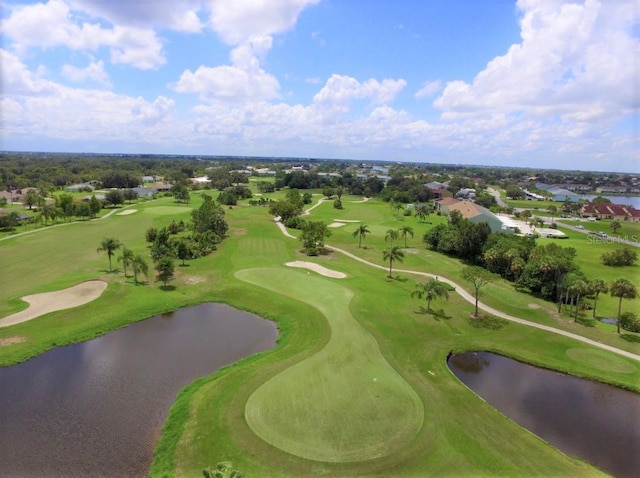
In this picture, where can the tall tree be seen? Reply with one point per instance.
(31, 198)
(392, 235)
(404, 230)
(126, 258)
(110, 246)
(478, 277)
(576, 290)
(361, 233)
(95, 205)
(422, 211)
(431, 290)
(393, 254)
(596, 286)
(139, 266)
(313, 236)
(615, 225)
(165, 268)
(623, 289)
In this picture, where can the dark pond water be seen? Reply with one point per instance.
(97, 408)
(596, 422)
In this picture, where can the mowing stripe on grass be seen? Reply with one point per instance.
(343, 404)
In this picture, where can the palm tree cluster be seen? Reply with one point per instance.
(136, 262)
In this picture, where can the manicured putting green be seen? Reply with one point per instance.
(342, 404)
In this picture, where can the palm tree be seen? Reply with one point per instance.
(595, 287)
(362, 231)
(392, 254)
(431, 290)
(422, 211)
(578, 288)
(126, 258)
(623, 289)
(392, 235)
(139, 266)
(404, 230)
(110, 246)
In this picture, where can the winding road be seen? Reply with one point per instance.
(471, 299)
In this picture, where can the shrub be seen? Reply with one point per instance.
(294, 222)
(630, 322)
(337, 204)
(619, 257)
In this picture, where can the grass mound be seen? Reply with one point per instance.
(343, 404)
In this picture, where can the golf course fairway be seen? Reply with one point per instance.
(343, 404)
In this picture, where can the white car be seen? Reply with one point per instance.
(579, 226)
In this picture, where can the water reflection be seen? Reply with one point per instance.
(97, 408)
(596, 422)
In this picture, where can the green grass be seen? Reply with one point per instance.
(332, 406)
(460, 435)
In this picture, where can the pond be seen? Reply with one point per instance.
(591, 420)
(98, 407)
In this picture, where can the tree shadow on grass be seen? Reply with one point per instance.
(586, 321)
(489, 323)
(397, 278)
(437, 315)
(168, 288)
(184, 265)
(633, 338)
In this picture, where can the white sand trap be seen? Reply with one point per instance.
(337, 224)
(347, 220)
(40, 304)
(126, 212)
(317, 268)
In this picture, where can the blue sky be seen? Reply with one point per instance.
(537, 83)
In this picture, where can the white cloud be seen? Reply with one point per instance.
(53, 24)
(340, 91)
(228, 83)
(574, 61)
(428, 89)
(93, 72)
(245, 80)
(236, 21)
(180, 15)
(42, 108)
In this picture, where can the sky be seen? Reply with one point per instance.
(527, 83)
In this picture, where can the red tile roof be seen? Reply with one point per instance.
(606, 209)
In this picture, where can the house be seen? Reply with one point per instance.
(435, 185)
(477, 214)
(559, 194)
(76, 188)
(532, 196)
(602, 210)
(441, 193)
(466, 193)
(444, 203)
(160, 187)
(563, 195)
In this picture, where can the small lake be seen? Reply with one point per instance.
(97, 408)
(633, 201)
(596, 422)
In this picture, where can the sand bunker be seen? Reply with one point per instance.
(12, 340)
(40, 304)
(126, 212)
(347, 220)
(318, 269)
(337, 224)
